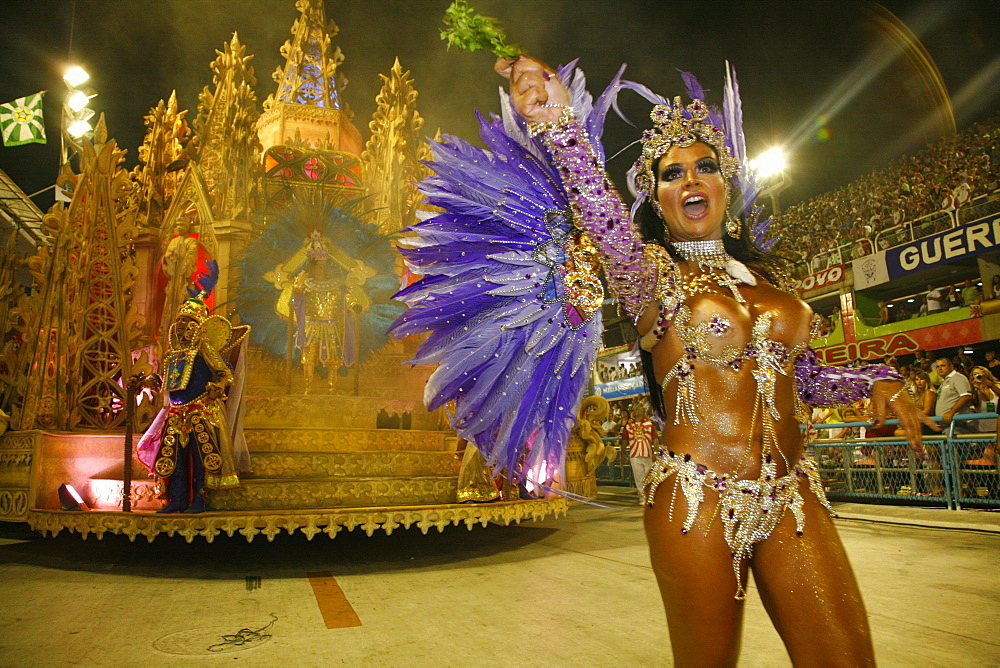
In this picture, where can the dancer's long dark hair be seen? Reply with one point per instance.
(653, 229)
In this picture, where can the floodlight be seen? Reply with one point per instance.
(77, 101)
(79, 129)
(70, 499)
(769, 162)
(75, 76)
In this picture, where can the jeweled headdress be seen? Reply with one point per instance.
(193, 308)
(677, 125)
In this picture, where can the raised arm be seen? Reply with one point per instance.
(598, 209)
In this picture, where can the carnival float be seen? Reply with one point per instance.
(266, 235)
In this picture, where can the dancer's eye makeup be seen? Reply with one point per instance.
(671, 172)
(708, 166)
(674, 171)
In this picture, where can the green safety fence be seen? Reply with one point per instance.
(617, 471)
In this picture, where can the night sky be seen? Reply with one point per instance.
(807, 69)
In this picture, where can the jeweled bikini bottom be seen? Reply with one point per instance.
(750, 509)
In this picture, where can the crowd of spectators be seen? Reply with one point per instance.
(618, 416)
(941, 177)
(609, 372)
(921, 374)
(945, 386)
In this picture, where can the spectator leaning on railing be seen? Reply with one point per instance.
(954, 396)
(971, 294)
(984, 385)
(924, 395)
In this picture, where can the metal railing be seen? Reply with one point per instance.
(825, 260)
(981, 207)
(911, 230)
(957, 469)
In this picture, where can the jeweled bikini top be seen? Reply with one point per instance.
(772, 357)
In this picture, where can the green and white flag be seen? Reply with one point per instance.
(21, 121)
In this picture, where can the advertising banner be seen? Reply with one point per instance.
(941, 248)
(947, 335)
(619, 389)
(870, 271)
(821, 279)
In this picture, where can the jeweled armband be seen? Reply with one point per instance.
(827, 386)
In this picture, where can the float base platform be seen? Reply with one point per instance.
(270, 523)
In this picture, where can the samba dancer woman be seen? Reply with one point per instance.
(732, 491)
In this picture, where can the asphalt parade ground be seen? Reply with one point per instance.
(572, 591)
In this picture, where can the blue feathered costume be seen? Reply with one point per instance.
(279, 283)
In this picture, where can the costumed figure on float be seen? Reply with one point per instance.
(182, 258)
(196, 441)
(725, 346)
(317, 284)
(323, 290)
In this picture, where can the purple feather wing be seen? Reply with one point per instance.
(512, 353)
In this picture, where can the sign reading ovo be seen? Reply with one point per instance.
(818, 280)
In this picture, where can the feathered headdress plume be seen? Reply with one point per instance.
(205, 282)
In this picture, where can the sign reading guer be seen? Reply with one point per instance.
(944, 247)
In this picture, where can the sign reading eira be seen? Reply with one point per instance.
(936, 337)
(900, 344)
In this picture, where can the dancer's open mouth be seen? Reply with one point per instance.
(695, 206)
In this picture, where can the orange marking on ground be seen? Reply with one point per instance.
(333, 604)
